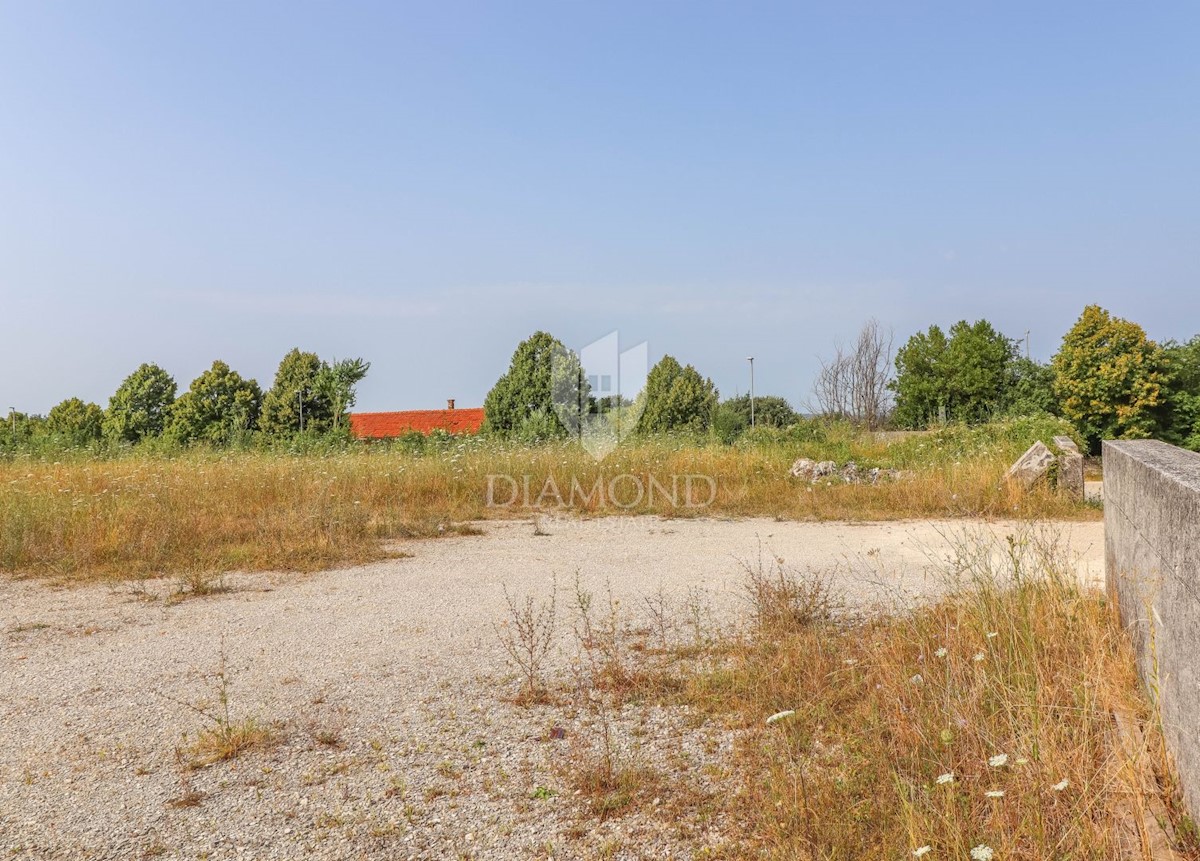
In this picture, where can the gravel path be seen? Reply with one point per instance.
(386, 691)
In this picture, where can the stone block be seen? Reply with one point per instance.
(1070, 475)
(1066, 444)
(1032, 466)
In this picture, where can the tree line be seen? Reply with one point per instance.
(220, 407)
(1108, 378)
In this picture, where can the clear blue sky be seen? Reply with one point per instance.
(425, 185)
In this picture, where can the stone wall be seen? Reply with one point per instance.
(1152, 563)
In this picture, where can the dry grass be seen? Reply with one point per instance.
(228, 740)
(1008, 686)
(205, 512)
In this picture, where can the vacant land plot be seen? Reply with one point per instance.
(368, 712)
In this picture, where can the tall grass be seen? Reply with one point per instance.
(144, 513)
(984, 720)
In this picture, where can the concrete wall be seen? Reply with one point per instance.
(1152, 564)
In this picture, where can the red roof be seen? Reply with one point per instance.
(384, 425)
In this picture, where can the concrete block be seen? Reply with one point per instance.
(1152, 570)
(1032, 466)
(1070, 475)
(1066, 444)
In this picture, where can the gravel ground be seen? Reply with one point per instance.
(388, 696)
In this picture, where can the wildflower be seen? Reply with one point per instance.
(917, 679)
(992, 634)
(999, 760)
(1022, 761)
(783, 715)
(982, 852)
(941, 653)
(978, 656)
(948, 777)
(994, 793)
(923, 850)
(1061, 785)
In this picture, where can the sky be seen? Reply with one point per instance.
(425, 185)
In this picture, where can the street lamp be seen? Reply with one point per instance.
(750, 359)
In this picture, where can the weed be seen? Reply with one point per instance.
(225, 737)
(528, 636)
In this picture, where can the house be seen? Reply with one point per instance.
(385, 425)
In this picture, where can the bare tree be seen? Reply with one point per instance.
(854, 383)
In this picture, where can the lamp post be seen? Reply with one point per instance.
(750, 359)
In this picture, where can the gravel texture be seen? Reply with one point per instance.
(388, 697)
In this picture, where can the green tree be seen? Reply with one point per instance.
(1183, 399)
(75, 422)
(295, 390)
(141, 406)
(521, 403)
(218, 407)
(337, 384)
(964, 377)
(677, 399)
(1110, 379)
(18, 430)
(769, 410)
(1030, 389)
(921, 384)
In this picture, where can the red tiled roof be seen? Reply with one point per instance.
(384, 425)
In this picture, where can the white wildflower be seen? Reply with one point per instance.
(922, 850)
(978, 656)
(999, 760)
(982, 852)
(783, 715)
(917, 679)
(948, 777)
(941, 653)
(994, 793)
(1061, 785)
(991, 634)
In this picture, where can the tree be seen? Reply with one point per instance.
(218, 407)
(337, 383)
(1110, 379)
(1030, 388)
(295, 395)
(1183, 400)
(521, 403)
(963, 377)
(140, 407)
(76, 422)
(676, 399)
(920, 384)
(769, 411)
(855, 383)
